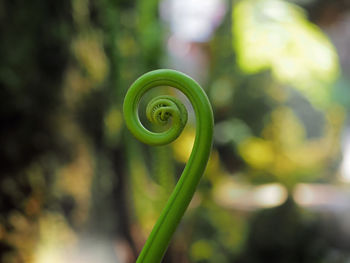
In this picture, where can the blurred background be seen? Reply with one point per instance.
(76, 186)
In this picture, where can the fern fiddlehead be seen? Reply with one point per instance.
(159, 111)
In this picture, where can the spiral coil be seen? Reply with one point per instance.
(159, 111)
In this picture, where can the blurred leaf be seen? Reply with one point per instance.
(113, 121)
(233, 130)
(201, 250)
(257, 152)
(276, 35)
(88, 49)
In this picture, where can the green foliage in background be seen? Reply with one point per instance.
(70, 171)
(276, 35)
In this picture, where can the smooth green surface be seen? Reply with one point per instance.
(158, 111)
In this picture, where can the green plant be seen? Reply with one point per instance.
(158, 111)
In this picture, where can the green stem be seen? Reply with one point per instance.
(159, 110)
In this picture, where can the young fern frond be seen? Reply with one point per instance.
(159, 111)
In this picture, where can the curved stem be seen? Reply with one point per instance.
(180, 198)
